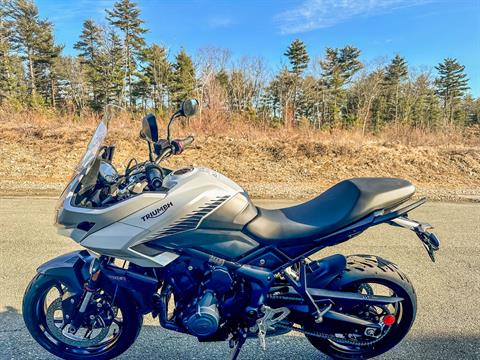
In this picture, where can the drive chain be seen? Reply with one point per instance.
(288, 326)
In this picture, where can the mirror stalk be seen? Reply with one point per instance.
(150, 153)
(175, 115)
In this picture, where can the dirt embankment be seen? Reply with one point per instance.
(37, 159)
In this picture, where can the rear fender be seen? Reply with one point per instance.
(321, 272)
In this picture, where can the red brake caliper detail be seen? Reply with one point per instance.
(389, 320)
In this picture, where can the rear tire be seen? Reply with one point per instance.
(35, 320)
(362, 269)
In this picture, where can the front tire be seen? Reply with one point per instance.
(360, 271)
(36, 315)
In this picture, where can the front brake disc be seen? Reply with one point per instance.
(70, 339)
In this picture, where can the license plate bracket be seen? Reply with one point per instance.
(429, 240)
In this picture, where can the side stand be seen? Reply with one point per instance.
(236, 344)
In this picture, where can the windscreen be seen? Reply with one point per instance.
(93, 149)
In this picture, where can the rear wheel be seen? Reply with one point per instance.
(110, 328)
(371, 275)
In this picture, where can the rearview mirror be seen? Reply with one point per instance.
(189, 107)
(149, 128)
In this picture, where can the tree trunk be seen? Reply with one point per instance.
(445, 106)
(294, 103)
(396, 102)
(52, 88)
(129, 72)
(33, 88)
(367, 113)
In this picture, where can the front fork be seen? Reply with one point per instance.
(89, 288)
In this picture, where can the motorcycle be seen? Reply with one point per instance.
(190, 248)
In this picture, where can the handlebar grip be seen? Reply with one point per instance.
(154, 177)
(180, 144)
(188, 140)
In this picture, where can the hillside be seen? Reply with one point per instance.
(38, 157)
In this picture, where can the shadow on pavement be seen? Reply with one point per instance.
(156, 343)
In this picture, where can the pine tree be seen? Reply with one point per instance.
(158, 72)
(395, 73)
(309, 101)
(33, 39)
(47, 56)
(298, 56)
(471, 109)
(280, 94)
(25, 36)
(112, 60)
(425, 109)
(7, 82)
(90, 53)
(125, 16)
(451, 84)
(183, 82)
(339, 66)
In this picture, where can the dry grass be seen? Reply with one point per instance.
(39, 150)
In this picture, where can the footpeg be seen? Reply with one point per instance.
(266, 322)
(322, 312)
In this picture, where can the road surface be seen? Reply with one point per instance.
(448, 320)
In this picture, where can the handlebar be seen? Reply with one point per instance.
(179, 145)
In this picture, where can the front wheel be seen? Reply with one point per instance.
(110, 327)
(371, 275)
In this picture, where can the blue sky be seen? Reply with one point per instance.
(423, 31)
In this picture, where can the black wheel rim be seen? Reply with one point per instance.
(366, 344)
(53, 337)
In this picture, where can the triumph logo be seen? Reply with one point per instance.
(157, 212)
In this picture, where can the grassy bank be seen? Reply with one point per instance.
(39, 151)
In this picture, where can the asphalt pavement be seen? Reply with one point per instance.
(448, 319)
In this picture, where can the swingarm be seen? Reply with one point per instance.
(319, 302)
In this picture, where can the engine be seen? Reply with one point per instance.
(204, 297)
(203, 318)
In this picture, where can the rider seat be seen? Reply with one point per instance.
(338, 207)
